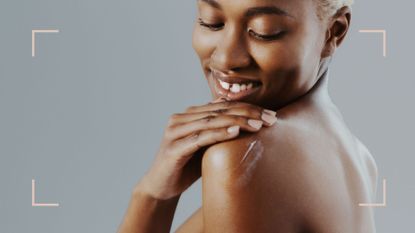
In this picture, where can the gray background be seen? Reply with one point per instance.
(84, 117)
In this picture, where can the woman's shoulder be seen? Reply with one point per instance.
(298, 131)
(309, 142)
(275, 148)
(289, 167)
(272, 170)
(290, 134)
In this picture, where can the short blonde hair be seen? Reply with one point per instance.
(327, 8)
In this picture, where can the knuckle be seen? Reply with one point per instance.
(236, 120)
(208, 118)
(168, 135)
(194, 136)
(252, 110)
(172, 119)
(219, 111)
(190, 108)
(246, 111)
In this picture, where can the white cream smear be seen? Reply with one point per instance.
(249, 161)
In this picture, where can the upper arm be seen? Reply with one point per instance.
(241, 194)
(290, 189)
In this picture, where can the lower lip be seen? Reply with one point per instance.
(222, 92)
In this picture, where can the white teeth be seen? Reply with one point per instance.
(249, 86)
(236, 88)
(225, 85)
(243, 87)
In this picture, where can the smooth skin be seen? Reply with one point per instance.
(178, 162)
(305, 173)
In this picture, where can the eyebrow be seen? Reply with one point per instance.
(213, 3)
(254, 11)
(266, 10)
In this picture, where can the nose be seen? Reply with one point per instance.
(231, 52)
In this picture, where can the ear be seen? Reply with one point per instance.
(336, 31)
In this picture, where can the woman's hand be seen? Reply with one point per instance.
(177, 164)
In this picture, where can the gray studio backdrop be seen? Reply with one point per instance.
(85, 116)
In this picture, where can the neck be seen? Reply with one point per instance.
(319, 91)
(318, 95)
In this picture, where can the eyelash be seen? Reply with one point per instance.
(266, 37)
(213, 27)
(219, 26)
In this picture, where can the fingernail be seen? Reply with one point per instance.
(255, 123)
(270, 112)
(270, 119)
(233, 129)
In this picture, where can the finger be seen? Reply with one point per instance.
(207, 123)
(189, 145)
(219, 105)
(248, 111)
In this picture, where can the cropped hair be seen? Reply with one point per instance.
(327, 8)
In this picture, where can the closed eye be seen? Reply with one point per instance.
(213, 27)
(266, 37)
(219, 26)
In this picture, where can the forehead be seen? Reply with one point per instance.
(294, 8)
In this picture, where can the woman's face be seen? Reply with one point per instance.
(264, 52)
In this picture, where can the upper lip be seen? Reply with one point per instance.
(232, 78)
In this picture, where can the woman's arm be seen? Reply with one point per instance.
(244, 191)
(148, 214)
(178, 162)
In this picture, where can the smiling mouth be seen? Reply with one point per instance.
(234, 88)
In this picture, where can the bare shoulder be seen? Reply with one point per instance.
(274, 152)
(243, 157)
(292, 177)
(273, 171)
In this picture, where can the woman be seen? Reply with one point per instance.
(305, 172)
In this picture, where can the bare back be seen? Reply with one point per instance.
(342, 172)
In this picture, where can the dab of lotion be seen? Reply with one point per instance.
(249, 162)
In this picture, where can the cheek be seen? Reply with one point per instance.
(278, 57)
(293, 59)
(203, 42)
